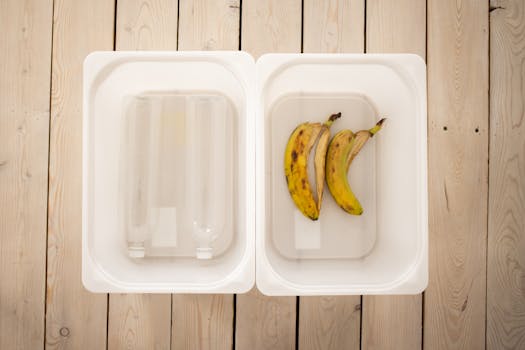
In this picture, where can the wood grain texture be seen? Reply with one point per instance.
(506, 242)
(139, 321)
(271, 26)
(146, 25)
(396, 26)
(394, 322)
(142, 321)
(202, 322)
(268, 322)
(334, 26)
(205, 321)
(76, 319)
(265, 322)
(25, 71)
(209, 24)
(330, 322)
(458, 168)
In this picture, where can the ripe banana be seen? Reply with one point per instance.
(300, 143)
(342, 150)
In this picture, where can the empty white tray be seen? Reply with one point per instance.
(148, 135)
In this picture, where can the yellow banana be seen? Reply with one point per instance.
(300, 143)
(342, 150)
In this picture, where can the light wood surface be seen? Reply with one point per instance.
(265, 322)
(146, 25)
(209, 24)
(25, 71)
(396, 26)
(394, 322)
(76, 318)
(332, 322)
(506, 244)
(142, 321)
(475, 299)
(268, 322)
(139, 321)
(202, 322)
(458, 66)
(271, 26)
(334, 26)
(205, 321)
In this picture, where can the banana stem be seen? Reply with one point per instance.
(332, 119)
(377, 127)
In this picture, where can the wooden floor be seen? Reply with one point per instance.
(475, 52)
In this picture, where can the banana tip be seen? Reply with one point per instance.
(333, 118)
(377, 127)
(311, 216)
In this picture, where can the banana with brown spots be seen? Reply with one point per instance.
(300, 143)
(342, 150)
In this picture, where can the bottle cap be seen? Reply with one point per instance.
(204, 253)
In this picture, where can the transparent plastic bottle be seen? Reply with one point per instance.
(206, 170)
(137, 189)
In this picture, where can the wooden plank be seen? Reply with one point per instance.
(396, 26)
(265, 322)
(458, 69)
(25, 71)
(334, 26)
(142, 321)
(209, 25)
(271, 26)
(268, 322)
(76, 319)
(205, 321)
(506, 235)
(394, 322)
(332, 322)
(202, 321)
(139, 321)
(146, 25)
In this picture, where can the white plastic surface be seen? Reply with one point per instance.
(340, 235)
(168, 172)
(384, 251)
(149, 141)
(177, 156)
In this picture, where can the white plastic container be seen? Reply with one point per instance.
(383, 251)
(168, 172)
(173, 200)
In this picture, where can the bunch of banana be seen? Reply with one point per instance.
(332, 159)
(342, 150)
(300, 143)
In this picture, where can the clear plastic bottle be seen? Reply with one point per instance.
(137, 189)
(206, 170)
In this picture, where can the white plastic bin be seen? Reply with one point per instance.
(383, 251)
(168, 172)
(184, 183)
